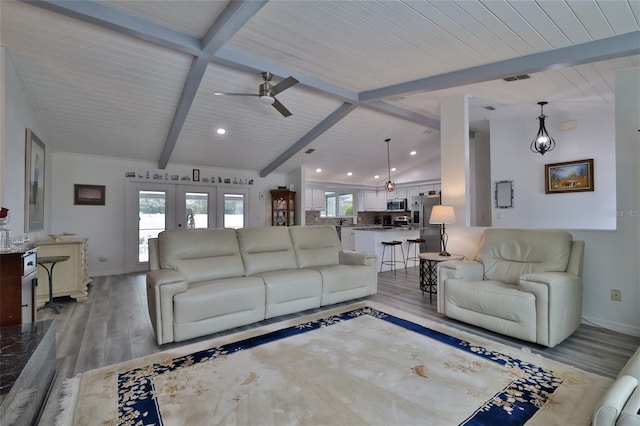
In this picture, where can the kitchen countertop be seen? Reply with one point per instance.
(385, 228)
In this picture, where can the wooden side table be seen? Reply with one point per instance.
(429, 271)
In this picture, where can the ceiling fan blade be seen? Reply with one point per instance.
(234, 94)
(283, 85)
(281, 108)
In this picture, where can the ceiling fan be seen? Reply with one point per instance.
(267, 92)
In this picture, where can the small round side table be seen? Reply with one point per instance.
(51, 260)
(429, 271)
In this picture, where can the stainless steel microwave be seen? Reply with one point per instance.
(397, 205)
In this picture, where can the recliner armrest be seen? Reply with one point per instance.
(464, 269)
(554, 279)
(558, 304)
(348, 257)
(162, 285)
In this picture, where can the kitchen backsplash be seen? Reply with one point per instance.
(364, 218)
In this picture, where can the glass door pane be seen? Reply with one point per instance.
(234, 205)
(196, 210)
(152, 212)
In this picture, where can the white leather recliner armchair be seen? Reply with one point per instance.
(523, 283)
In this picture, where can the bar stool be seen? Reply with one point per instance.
(392, 261)
(416, 249)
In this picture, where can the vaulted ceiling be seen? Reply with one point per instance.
(137, 79)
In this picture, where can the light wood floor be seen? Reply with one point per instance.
(114, 326)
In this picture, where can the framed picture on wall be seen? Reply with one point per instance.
(570, 176)
(89, 195)
(34, 182)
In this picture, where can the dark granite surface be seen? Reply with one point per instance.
(17, 345)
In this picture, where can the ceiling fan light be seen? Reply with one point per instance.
(267, 100)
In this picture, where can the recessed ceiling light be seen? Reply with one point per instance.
(221, 131)
(412, 153)
(349, 174)
(376, 177)
(393, 169)
(318, 170)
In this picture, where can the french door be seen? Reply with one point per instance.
(151, 208)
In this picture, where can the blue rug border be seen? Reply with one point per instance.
(513, 405)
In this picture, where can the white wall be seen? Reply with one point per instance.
(18, 115)
(105, 225)
(511, 159)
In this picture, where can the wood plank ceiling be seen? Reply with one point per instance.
(136, 79)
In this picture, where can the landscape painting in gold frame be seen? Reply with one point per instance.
(570, 176)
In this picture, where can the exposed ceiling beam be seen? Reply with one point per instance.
(403, 113)
(592, 51)
(337, 115)
(112, 19)
(233, 17)
(191, 85)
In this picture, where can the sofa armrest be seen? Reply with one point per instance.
(162, 285)
(558, 304)
(610, 406)
(348, 257)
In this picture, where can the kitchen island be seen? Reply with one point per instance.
(369, 239)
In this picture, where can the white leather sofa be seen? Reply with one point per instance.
(620, 405)
(203, 281)
(523, 283)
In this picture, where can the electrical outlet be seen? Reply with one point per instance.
(616, 294)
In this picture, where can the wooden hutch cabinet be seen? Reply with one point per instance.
(18, 278)
(70, 278)
(283, 207)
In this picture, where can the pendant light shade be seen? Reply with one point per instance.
(542, 142)
(390, 186)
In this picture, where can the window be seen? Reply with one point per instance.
(337, 204)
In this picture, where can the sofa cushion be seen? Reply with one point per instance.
(315, 245)
(266, 249)
(494, 298)
(345, 282)
(291, 290)
(210, 299)
(201, 254)
(509, 253)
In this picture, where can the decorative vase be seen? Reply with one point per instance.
(5, 234)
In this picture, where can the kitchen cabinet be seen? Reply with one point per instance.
(70, 278)
(283, 207)
(412, 191)
(348, 238)
(382, 201)
(374, 201)
(314, 199)
(401, 192)
(18, 278)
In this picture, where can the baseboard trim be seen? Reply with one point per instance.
(613, 325)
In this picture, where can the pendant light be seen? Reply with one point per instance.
(542, 142)
(390, 186)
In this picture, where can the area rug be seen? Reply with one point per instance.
(359, 364)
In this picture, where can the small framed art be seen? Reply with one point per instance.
(89, 195)
(570, 176)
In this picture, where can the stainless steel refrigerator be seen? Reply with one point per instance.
(420, 212)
